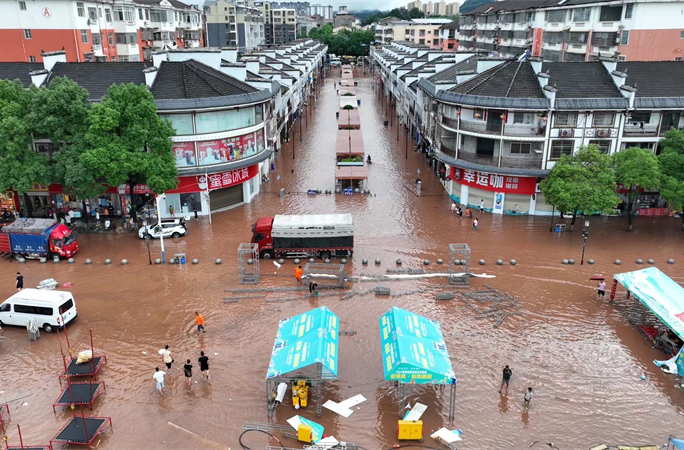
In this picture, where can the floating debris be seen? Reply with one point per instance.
(444, 296)
(493, 303)
(382, 290)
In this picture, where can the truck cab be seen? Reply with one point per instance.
(261, 235)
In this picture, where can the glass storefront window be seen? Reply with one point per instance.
(182, 123)
(213, 122)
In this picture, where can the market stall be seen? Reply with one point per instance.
(414, 353)
(304, 356)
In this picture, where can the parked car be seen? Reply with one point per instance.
(167, 228)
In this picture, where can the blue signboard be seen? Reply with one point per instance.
(306, 339)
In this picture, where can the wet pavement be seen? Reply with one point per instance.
(583, 359)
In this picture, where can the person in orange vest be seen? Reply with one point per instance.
(298, 274)
(200, 322)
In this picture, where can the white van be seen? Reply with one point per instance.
(43, 305)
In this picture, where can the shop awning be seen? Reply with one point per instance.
(347, 90)
(304, 340)
(349, 143)
(347, 82)
(351, 173)
(413, 349)
(659, 293)
(349, 118)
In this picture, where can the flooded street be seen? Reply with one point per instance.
(583, 359)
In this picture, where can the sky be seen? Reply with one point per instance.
(352, 5)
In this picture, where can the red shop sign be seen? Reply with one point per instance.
(494, 182)
(215, 180)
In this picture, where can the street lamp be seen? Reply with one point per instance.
(300, 124)
(585, 235)
(147, 240)
(158, 198)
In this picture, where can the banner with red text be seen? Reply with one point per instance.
(493, 181)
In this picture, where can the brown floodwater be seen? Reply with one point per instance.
(583, 359)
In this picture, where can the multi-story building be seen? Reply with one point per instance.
(448, 36)
(397, 30)
(576, 30)
(498, 125)
(325, 11)
(302, 8)
(284, 22)
(343, 18)
(414, 4)
(228, 114)
(452, 9)
(230, 24)
(420, 31)
(115, 30)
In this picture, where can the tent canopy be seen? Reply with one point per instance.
(351, 173)
(413, 349)
(678, 443)
(659, 293)
(304, 340)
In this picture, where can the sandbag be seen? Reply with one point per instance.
(84, 356)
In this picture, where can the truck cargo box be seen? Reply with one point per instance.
(313, 225)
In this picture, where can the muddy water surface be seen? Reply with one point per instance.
(582, 358)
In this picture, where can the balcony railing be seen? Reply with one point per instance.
(448, 149)
(523, 129)
(638, 130)
(531, 161)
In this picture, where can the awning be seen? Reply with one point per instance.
(349, 143)
(349, 118)
(347, 82)
(351, 173)
(347, 90)
(659, 293)
(303, 340)
(413, 349)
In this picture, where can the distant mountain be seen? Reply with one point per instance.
(469, 5)
(364, 13)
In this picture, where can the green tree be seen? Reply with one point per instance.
(671, 162)
(20, 165)
(416, 13)
(125, 142)
(584, 181)
(636, 168)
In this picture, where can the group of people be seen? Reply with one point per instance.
(459, 212)
(507, 374)
(313, 286)
(203, 360)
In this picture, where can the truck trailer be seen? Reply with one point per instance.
(35, 238)
(312, 235)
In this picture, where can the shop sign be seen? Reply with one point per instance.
(494, 182)
(215, 180)
(138, 189)
(37, 187)
(184, 153)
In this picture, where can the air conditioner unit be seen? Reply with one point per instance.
(603, 133)
(566, 133)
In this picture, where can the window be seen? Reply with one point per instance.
(32, 59)
(421, 33)
(610, 13)
(421, 41)
(111, 39)
(435, 42)
(92, 14)
(604, 146)
(628, 10)
(140, 14)
(80, 9)
(147, 14)
(99, 12)
(182, 123)
(603, 119)
(557, 15)
(560, 148)
(122, 58)
(681, 35)
(22, 6)
(566, 119)
(6, 307)
(124, 13)
(96, 39)
(581, 15)
(678, 58)
(640, 117)
(518, 117)
(126, 38)
(66, 306)
(521, 148)
(624, 40)
(39, 310)
(84, 37)
(224, 120)
(108, 15)
(27, 34)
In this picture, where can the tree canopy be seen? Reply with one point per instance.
(636, 168)
(346, 42)
(126, 142)
(584, 181)
(671, 162)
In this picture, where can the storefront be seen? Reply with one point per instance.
(501, 194)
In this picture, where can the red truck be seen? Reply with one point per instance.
(321, 235)
(35, 238)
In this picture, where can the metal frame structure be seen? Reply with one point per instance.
(459, 262)
(71, 432)
(326, 272)
(94, 390)
(249, 273)
(402, 393)
(315, 393)
(94, 364)
(21, 443)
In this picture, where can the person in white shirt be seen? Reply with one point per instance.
(159, 378)
(166, 356)
(527, 398)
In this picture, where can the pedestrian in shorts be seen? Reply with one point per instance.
(166, 356)
(507, 372)
(187, 369)
(527, 398)
(20, 281)
(159, 378)
(475, 222)
(204, 365)
(200, 322)
(602, 289)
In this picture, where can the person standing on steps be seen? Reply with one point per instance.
(204, 365)
(507, 372)
(20, 281)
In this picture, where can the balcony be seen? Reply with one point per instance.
(479, 127)
(524, 129)
(639, 130)
(449, 149)
(531, 161)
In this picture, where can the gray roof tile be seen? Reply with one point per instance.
(581, 80)
(19, 71)
(655, 78)
(511, 79)
(191, 79)
(96, 78)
